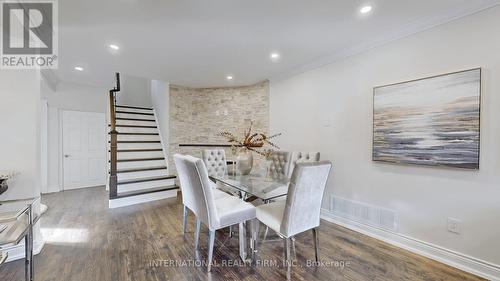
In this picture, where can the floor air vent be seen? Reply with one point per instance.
(364, 213)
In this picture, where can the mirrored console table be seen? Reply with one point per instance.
(17, 218)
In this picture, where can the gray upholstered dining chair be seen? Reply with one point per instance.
(215, 213)
(215, 161)
(187, 200)
(299, 156)
(301, 210)
(279, 162)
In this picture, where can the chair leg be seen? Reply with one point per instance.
(265, 233)
(230, 231)
(255, 238)
(197, 234)
(211, 241)
(184, 219)
(243, 240)
(316, 243)
(293, 246)
(287, 257)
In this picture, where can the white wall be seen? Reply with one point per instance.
(135, 91)
(19, 129)
(330, 110)
(160, 98)
(20, 142)
(67, 96)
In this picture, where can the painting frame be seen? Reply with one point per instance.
(433, 165)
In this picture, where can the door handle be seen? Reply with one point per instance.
(66, 155)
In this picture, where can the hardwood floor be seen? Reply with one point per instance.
(89, 242)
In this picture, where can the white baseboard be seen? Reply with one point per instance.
(52, 189)
(16, 252)
(143, 198)
(463, 262)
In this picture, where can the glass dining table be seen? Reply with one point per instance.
(259, 184)
(256, 185)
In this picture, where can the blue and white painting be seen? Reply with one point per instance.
(432, 121)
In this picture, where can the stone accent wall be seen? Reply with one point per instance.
(199, 115)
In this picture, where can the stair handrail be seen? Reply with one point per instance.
(113, 192)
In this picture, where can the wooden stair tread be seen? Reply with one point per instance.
(139, 134)
(158, 178)
(134, 126)
(134, 107)
(135, 119)
(138, 150)
(145, 191)
(141, 169)
(133, 112)
(140, 159)
(137, 142)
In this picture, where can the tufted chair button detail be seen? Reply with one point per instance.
(215, 162)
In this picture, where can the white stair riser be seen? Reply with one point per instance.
(139, 146)
(139, 123)
(134, 155)
(144, 185)
(135, 116)
(127, 201)
(137, 130)
(138, 138)
(142, 174)
(134, 110)
(140, 164)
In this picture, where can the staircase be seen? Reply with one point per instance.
(138, 170)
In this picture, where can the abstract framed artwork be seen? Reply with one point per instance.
(433, 121)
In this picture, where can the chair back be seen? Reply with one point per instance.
(279, 163)
(215, 161)
(299, 156)
(182, 174)
(305, 195)
(200, 199)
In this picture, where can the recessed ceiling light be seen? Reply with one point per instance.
(366, 9)
(79, 68)
(275, 56)
(229, 77)
(114, 47)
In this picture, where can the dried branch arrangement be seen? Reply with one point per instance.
(252, 141)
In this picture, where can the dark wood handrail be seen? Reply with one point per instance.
(113, 180)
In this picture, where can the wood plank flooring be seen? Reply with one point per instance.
(87, 241)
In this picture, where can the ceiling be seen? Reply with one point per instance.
(198, 42)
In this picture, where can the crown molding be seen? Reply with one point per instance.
(410, 29)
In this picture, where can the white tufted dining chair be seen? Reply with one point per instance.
(187, 200)
(299, 156)
(301, 210)
(215, 213)
(279, 163)
(215, 161)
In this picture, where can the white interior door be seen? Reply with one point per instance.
(84, 149)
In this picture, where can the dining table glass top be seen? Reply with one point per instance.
(260, 184)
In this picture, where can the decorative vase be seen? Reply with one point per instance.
(244, 162)
(4, 177)
(3, 185)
